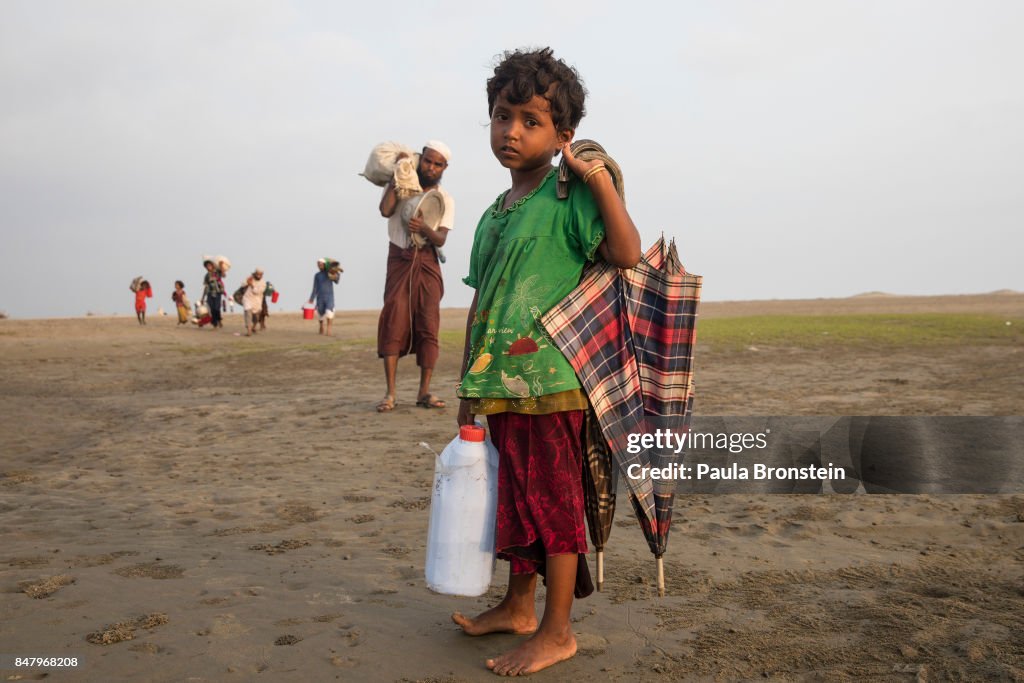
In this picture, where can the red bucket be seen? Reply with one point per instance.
(307, 313)
(274, 297)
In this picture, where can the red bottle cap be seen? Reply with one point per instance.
(471, 433)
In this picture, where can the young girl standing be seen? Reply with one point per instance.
(141, 294)
(529, 251)
(180, 302)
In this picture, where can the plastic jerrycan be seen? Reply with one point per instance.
(460, 540)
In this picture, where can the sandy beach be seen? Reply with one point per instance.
(193, 505)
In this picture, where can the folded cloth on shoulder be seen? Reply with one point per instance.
(407, 182)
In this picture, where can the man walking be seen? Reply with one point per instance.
(411, 316)
(323, 294)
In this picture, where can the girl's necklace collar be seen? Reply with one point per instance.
(498, 211)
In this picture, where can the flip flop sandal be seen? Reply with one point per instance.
(386, 404)
(430, 401)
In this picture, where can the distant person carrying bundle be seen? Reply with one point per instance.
(252, 300)
(269, 293)
(413, 289)
(327, 276)
(142, 292)
(213, 287)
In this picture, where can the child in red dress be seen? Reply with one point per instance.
(528, 253)
(141, 294)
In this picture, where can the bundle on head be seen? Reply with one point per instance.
(334, 269)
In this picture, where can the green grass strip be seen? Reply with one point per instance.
(879, 329)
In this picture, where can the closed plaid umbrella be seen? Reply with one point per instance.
(599, 483)
(629, 334)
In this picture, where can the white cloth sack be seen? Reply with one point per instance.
(384, 164)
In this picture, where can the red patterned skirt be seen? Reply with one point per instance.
(540, 487)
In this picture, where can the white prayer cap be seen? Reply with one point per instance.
(440, 148)
(320, 260)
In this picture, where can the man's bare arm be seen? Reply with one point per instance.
(389, 201)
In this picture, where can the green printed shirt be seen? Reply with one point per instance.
(525, 260)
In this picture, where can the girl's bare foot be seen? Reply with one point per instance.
(498, 619)
(539, 652)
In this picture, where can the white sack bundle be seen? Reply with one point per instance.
(384, 165)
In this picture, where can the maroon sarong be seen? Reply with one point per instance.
(540, 487)
(411, 315)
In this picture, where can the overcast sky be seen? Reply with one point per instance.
(793, 149)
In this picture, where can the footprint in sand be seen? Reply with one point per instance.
(227, 626)
(412, 504)
(46, 587)
(147, 648)
(326, 618)
(151, 570)
(350, 634)
(125, 630)
(361, 519)
(357, 498)
(343, 662)
(15, 478)
(283, 546)
(806, 513)
(215, 602)
(298, 513)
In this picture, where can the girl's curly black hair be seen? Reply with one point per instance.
(522, 74)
